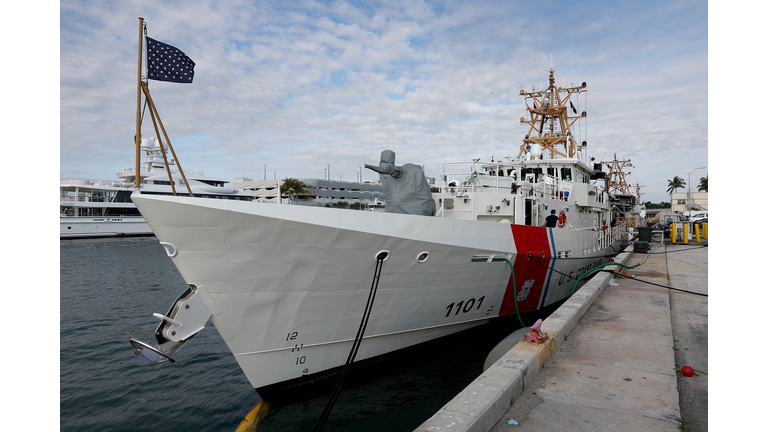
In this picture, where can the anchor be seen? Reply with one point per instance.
(186, 317)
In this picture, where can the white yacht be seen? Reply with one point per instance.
(103, 208)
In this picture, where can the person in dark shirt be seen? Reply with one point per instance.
(551, 220)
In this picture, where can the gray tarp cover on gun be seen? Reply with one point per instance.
(405, 187)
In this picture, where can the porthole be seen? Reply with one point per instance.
(422, 257)
(381, 255)
(170, 249)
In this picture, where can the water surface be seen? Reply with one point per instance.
(109, 290)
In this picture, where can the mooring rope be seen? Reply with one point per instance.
(355, 345)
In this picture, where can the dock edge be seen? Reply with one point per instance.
(482, 403)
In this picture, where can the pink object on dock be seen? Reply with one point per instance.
(536, 335)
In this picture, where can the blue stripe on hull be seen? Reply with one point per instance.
(551, 266)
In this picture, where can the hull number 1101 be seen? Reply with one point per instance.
(464, 306)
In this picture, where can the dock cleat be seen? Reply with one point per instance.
(536, 335)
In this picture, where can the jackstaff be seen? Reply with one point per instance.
(164, 63)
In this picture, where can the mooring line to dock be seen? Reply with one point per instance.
(614, 272)
(679, 250)
(612, 263)
(380, 258)
(570, 277)
(659, 285)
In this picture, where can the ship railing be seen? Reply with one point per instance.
(471, 174)
(604, 236)
(583, 229)
(95, 199)
(69, 214)
(552, 187)
(466, 181)
(458, 179)
(546, 186)
(610, 235)
(157, 169)
(600, 237)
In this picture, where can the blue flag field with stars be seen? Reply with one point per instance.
(168, 63)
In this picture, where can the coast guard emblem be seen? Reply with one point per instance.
(525, 290)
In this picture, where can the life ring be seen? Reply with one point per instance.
(562, 219)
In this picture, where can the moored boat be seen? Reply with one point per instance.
(104, 208)
(288, 286)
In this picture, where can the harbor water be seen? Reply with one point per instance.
(109, 290)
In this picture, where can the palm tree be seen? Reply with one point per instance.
(703, 186)
(293, 187)
(675, 184)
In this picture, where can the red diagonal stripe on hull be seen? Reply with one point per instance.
(533, 240)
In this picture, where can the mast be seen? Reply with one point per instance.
(550, 120)
(617, 179)
(137, 137)
(637, 191)
(491, 125)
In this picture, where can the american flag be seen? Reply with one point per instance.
(168, 63)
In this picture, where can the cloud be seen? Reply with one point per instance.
(298, 85)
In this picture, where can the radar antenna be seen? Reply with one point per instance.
(550, 121)
(617, 183)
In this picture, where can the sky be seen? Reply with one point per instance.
(292, 88)
(300, 85)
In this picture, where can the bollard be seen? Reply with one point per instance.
(704, 226)
(698, 237)
(674, 233)
(686, 227)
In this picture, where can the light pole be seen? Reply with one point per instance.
(361, 173)
(265, 171)
(329, 171)
(688, 201)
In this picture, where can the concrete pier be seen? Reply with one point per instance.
(610, 360)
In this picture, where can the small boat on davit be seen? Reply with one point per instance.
(287, 286)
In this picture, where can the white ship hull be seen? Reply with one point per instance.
(287, 285)
(82, 227)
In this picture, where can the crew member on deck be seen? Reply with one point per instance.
(551, 220)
